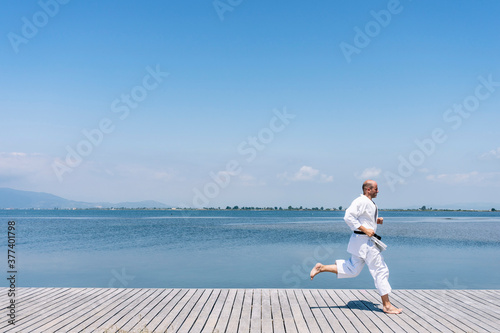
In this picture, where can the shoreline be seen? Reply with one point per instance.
(493, 210)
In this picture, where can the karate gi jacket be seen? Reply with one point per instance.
(361, 212)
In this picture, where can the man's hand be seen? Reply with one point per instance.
(380, 220)
(368, 232)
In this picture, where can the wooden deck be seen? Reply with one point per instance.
(249, 310)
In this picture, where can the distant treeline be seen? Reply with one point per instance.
(277, 208)
(289, 208)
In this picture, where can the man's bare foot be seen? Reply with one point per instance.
(316, 270)
(392, 310)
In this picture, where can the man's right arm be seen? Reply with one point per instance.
(368, 232)
(351, 217)
(352, 214)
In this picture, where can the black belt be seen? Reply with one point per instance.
(362, 233)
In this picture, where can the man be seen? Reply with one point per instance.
(362, 218)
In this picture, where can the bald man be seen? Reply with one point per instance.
(362, 218)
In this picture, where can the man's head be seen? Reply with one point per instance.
(370, 188)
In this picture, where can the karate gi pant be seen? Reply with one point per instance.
(369, 254)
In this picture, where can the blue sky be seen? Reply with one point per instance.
(302, 100)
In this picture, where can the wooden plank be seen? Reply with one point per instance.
(307, 312)
(204, 314)
(24, 297)
(234, 318)
(249, 310)
(361, 312)
(79, 314)
(133, 313)
(397, 319)
(297, 314)
(267, 320)
(482, 296)
(108, 318)
(373, 303)
(23, 293)
(99, 308)
(194, 305)
(409, 315)
(476, 304)
(413, 310)
(484, 293)
(226, 311)
(160, 310)
(286, 309)
(256, 318)
(446, 310)
(360, 303)
(331, 311)
(312, 296)
(32, 306)
(278, 322)
(481, 319)
(434, 312)
(191, 311)
(400, 321)
(162, 323)
(246, 312)
(346, 317)
(216, 312)
(429, 313)
(31, 303)
(157, 302)
(487, 304)
(34, 297)
(168, 313)
(56, 308)
(349, 321)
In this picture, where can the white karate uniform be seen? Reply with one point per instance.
(364, 212)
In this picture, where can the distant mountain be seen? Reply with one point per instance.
(16, 199)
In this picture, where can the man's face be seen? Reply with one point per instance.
(373, 191)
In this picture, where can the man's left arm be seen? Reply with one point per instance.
(380, 220)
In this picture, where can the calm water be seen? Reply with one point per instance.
(226, 249)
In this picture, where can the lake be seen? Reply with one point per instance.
(245, 249)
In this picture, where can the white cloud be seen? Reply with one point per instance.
(225, 174)
(233, 177)
(469, 178)
(326, 179)
(306, 173)
(249, 180)
(456, 178)
(163, 176)
(492, 154)
(16, 165)
(132, 171)
(26, 171)
(370, 173)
